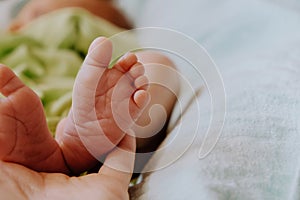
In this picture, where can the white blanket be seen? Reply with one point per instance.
(256, 45)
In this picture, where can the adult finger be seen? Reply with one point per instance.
(119, 163)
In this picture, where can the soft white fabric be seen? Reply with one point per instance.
(256, 45)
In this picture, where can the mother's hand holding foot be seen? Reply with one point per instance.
(19, 182)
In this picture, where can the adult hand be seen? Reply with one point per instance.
(18, 182)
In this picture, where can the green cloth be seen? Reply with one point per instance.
(48, 52)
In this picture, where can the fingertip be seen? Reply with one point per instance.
(5, 75)
(128, 143)
(9, 82)
(119, 163)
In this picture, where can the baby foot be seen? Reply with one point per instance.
(91, 129)
(24, 135)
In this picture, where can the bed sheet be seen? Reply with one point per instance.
(256, 45)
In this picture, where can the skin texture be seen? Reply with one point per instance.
(151, 60)
(24, 135)
(100, 8)
(19, 182)
(22, 150)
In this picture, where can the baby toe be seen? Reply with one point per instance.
(141, 98)
(136, 70)
(126, 62)
(141, 82)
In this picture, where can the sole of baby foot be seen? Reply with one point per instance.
(91, 129)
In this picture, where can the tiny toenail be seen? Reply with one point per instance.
(125, 56)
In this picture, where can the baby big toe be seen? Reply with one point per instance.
(99, 54)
